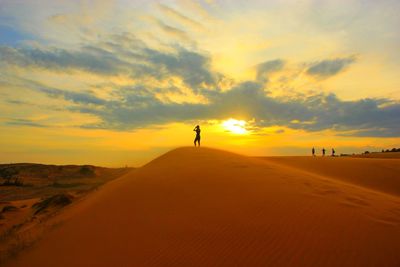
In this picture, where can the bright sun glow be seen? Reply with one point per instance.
(235, 126)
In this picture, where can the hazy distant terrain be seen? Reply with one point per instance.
(384, 155)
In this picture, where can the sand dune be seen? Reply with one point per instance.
(204, 207)
(375, 174)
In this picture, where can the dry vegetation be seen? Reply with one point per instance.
(27, 180)
(30, 194)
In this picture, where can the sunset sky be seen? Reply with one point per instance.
(116, 83)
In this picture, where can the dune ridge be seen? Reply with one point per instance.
(206, 207)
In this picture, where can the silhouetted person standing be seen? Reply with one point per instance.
(323, 152)
(333, 152)
(197, 138)
(313, 151)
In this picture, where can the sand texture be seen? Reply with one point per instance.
(206, 207)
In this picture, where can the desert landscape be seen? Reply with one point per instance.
(208, 207)
(31, 194)
(199, 133)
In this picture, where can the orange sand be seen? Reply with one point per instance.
(376, 174)
(204, 207)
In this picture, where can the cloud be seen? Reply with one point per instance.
(329, 67)
(25, 122)
(139, 107)
(121, 54)
(16, 102)
(197, 8)
(194, 68)
(61, 59)
(174, 32)
(265, 68)
(180, 17)
(75, 97)
(141, 104)
(113, 55)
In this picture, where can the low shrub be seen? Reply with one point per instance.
(59, 200)
(9, 208)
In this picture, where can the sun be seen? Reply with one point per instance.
(235, 126)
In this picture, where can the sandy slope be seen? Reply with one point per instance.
(204, 207)
(376, 174)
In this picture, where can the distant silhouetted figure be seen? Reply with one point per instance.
(323, 152)
(313, 151)
(333, 152)
(197, 138)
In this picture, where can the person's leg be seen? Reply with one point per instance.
(199, 141)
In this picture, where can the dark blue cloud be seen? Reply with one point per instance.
(120, 55)
(61, 59)
(76, 97)
(193, 67)
(265, 68)
(329, 67)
